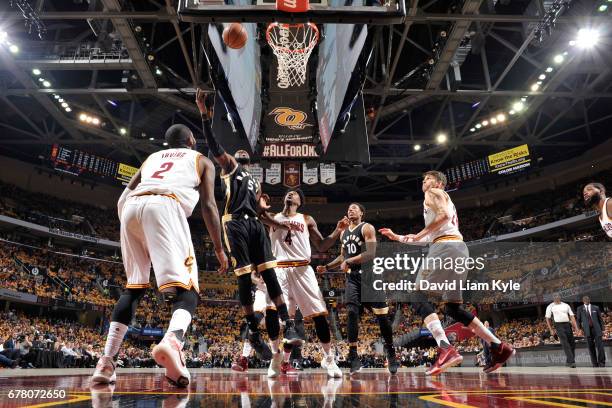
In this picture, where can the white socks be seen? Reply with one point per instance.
(116, 333)
(246, 349)
(437, 331)
(180, 321)
(481, 331)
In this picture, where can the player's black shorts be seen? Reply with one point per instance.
(248, 244)
(352, 295)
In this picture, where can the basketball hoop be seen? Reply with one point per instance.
(292, 45)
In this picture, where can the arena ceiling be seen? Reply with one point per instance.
(501, 48)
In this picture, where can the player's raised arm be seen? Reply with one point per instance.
(134, 181)
(320, 243)
(225, 160)
(210, 213)
(369, 235)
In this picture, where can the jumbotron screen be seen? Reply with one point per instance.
(78, 162)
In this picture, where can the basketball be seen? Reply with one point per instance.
(235, 36)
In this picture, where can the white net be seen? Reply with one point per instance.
(292, 44)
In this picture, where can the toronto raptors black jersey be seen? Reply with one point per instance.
(353, 245)
(240, 189)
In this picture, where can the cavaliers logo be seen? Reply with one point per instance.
(291, 118)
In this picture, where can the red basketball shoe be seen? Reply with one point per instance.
(241, 364)
(448, 357)
(499, 355)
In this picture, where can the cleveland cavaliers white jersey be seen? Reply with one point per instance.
(295, 247)
(450, 228)
(605, 220)
(172, 172)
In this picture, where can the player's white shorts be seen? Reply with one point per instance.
(301, 289)
(154, 230)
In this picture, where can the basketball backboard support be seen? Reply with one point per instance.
(371, 12)
(319, 116)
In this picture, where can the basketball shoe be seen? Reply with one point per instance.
(105, 371)
(499, 355)
(287, 369)
(169, 354)
(274, 370)
(241, 364)
(448, 357)
(393, 364)
(329, 363)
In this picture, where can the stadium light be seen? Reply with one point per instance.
(95, 121)
(417, 147)
(13, 48)
(68, 109)
(535, 87)
(542, 77)
(64, 105)
(3, 36)
(587, 38)
(46, 84)
(501, 117)
(36, 71)
(512, 111)
(485, 123)
(518, 106)
(151, 138)
(549, 69)
(60, 100)
(82, 117)
(558, 59)
(441, 138)
(123, 131)
(56, 96)
(165, 143)
(603, 8)
(473, 129)
(478, 126)
(493, 121)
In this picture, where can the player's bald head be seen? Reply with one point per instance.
(179, 136)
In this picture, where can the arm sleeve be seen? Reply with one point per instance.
(215, 148)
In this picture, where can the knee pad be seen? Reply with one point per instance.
(245, 293)
(186, 300)
(269, 278)
(322, 328)
(125, 309)
(272, 324)
(423, 309)
(457, 312)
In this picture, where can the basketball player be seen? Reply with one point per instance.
(262, 307)
(291, 247)
(442, 230)
(245, 235)
(359, 247)
(594, 195)
(153, 210)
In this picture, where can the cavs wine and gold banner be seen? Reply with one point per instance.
(291, 177)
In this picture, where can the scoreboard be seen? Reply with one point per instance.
(505, 162)
(78, 162)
